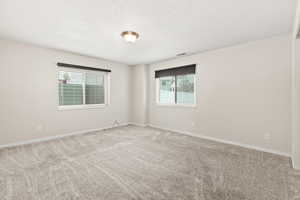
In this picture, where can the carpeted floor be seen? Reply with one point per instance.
(141, 164)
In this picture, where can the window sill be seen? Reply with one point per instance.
(81, 107)
(177, 105)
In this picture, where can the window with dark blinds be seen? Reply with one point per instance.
(176, 85)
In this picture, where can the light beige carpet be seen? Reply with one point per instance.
(141, 164)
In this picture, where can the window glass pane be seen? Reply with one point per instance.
(94, 88)
(185, 89)
(167, 90)
(70, 88)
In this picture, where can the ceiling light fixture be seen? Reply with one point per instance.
(130, 36)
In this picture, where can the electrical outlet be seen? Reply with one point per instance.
(116, 123)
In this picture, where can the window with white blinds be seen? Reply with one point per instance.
(82, 87)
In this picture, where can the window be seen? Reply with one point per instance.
(185, 89)
(82, 88)
(176, 86)
(70, 86)
(94, 89)
(167, 90)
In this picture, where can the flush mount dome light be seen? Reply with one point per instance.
(130, 36)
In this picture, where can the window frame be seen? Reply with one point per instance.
(175, 104)
(84, 105)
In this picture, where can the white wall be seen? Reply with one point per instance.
(296, 106)
(29, 98)
(138, 111)
(296, 92)
(243, 95)
(243, 92)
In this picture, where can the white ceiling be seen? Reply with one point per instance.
(166, 27)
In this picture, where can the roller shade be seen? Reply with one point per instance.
(186, 69)
(82, 67)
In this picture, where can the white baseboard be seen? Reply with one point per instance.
(144, 125)
(137, 124)
(57, 136)
(224, 141)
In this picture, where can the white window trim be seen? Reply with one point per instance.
(79, 107)
(85, 106)
(177, 104)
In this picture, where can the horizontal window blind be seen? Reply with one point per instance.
(187, 69)
(82, 67)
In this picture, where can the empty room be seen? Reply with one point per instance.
(150, 100)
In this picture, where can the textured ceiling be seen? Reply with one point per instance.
(166, 27)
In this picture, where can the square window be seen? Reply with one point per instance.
(82, 87)
(176, 90)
